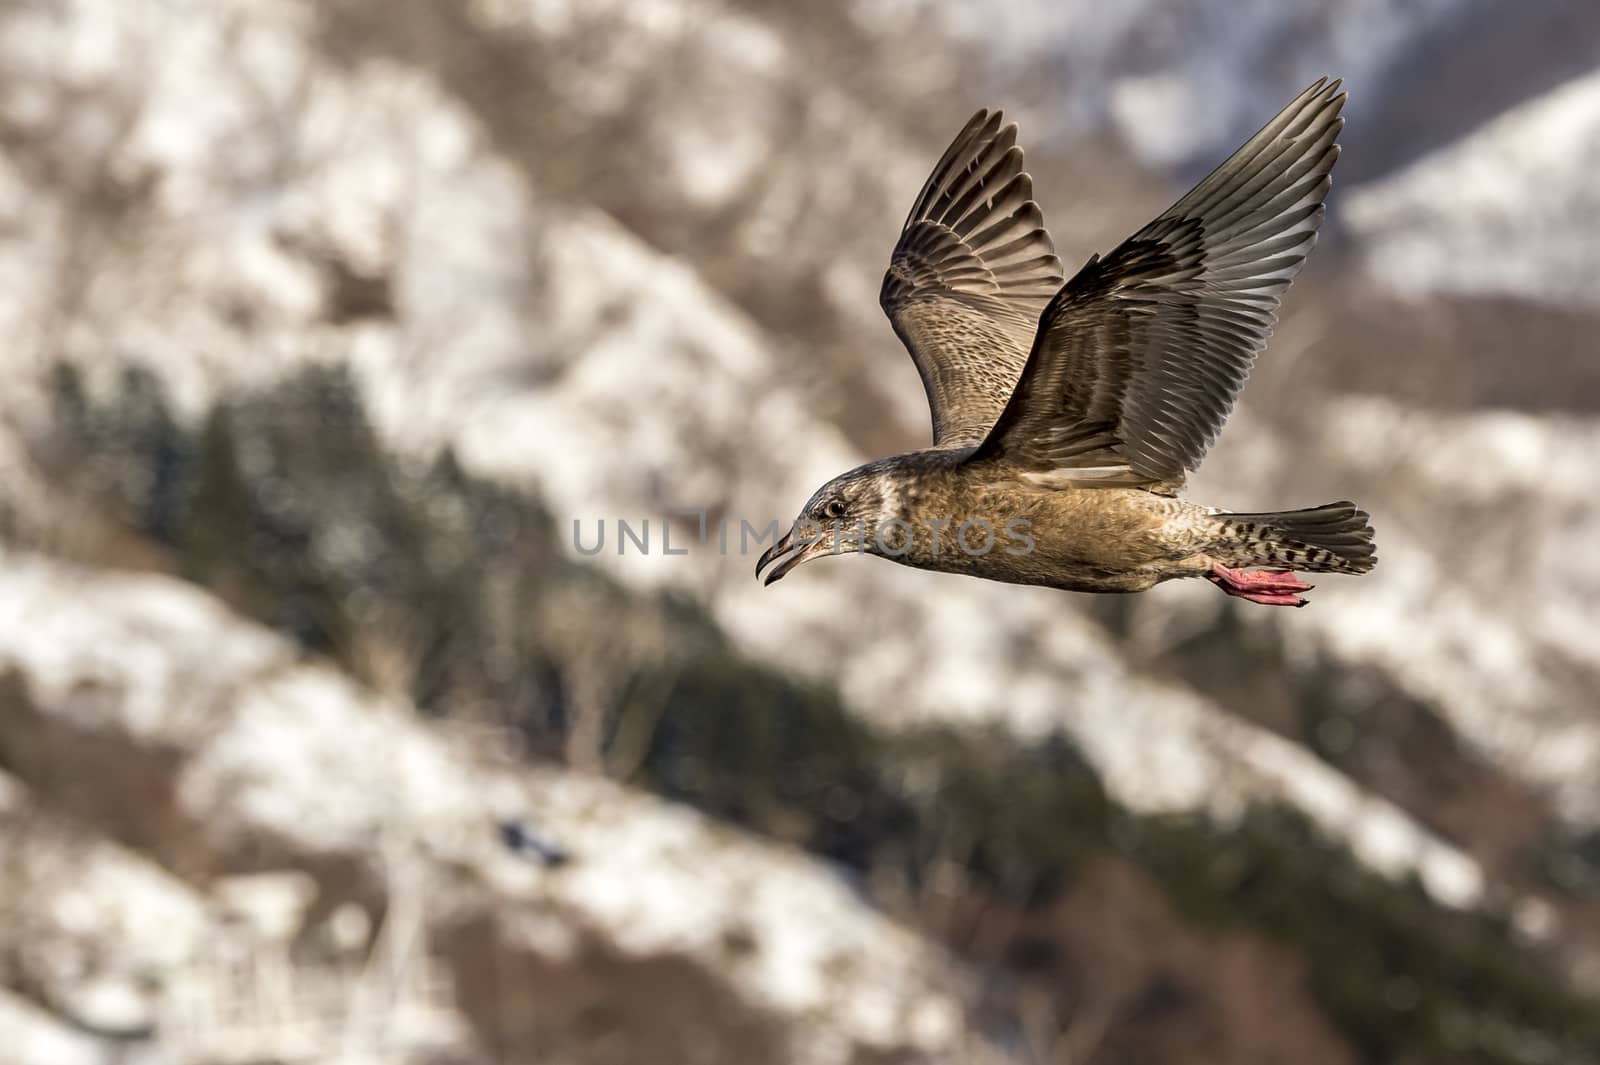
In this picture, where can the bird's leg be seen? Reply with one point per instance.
(1269, 587)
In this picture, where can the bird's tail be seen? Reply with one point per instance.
(1332, 538)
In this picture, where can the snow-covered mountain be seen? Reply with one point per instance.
(1505, 211)
(622, 257)
(274, 761)
(1181, 82)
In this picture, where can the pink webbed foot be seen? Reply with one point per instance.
(1269, 587)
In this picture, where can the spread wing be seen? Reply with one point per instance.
(1140, 356)
(969, 277)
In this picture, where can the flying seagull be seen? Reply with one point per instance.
(1067, 416)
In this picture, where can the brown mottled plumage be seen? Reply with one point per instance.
(1067, 416)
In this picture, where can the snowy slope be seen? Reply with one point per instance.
(36, 1037)
(295, 759)
(1510, 210)
(1180, 82)
(623, 388)
(1496, 623)
(86, 924)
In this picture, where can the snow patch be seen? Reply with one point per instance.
(1509, 210)
(299, 753)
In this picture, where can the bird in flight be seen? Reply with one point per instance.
(1066, 416)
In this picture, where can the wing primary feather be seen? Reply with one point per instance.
(1139, 358)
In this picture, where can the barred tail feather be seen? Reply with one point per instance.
(1332, 538)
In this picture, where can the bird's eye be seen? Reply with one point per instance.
(834, 509)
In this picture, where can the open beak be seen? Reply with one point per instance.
(796, 553)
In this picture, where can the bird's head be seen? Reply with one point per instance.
(856, 511)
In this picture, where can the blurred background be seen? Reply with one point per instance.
(328, 323)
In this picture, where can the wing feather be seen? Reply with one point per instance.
(1139, 358)
(972, 272)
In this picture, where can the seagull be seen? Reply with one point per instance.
(1066, 416)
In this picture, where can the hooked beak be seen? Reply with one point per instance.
(796, 552)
